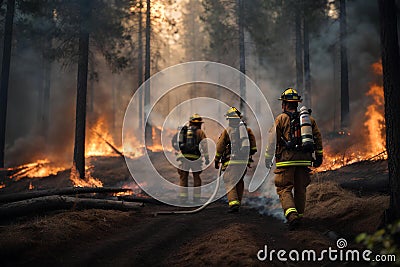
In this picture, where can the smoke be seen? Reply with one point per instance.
(27, 140)
(362, 49)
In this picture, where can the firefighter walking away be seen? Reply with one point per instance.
(235, 147)
(298, 138)
(191, 149)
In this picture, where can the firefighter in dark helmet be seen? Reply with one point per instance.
(297, 138)
(188, 141)
(235, 146)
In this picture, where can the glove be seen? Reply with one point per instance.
(318, 160)
(268, 162)
(216, 164)
(206, 161)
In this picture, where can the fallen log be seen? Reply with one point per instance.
(140, 199)
(51, 203)
(62, 191)
(378, 155)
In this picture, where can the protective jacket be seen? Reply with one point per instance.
(223, 152)
(291, 157)
(200, 135)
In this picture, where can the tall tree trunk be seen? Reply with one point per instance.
(44, 88)
(140, 64)
(79, 149)
(40, 89)
(299, 49)
(91, 94)
(46, 94)
(148, 126)
(5, 75)
(344, 71)
(391, 83)
(242, 67)
(307, 73)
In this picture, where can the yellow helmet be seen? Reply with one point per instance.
(196, 118)
(233, 113)
(290, 95)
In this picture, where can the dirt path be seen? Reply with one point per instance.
(211, 237)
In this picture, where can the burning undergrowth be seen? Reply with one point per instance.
(365, 139)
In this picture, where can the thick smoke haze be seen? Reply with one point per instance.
(112, 92)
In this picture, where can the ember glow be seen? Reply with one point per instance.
(135, 189)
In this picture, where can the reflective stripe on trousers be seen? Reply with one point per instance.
(293, 163)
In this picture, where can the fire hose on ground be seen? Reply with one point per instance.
(199, 208)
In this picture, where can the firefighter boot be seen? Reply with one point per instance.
(234, 208)
(293, 220)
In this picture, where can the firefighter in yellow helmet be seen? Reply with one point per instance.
(297, 137)
(188, 141)
(233, 152)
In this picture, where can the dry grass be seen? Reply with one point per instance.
(342, 209)
(53, 230)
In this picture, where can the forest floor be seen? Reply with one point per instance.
(211, 237)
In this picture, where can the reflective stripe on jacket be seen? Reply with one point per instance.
(285, 157)
(223, 148)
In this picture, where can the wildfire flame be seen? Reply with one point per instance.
(370, 146)
(96, 140)
(135, 189)
(89, 181)
(375, 121)
(40, 168)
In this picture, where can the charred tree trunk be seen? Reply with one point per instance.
(307, 73)
(148, 126)
(5, 75)
(242, 67)
(91, 95)
(140, 64)
(79, 149)
(344, 71)
(391, 83)
(62, 191)
(299, 50)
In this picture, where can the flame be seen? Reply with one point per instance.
(96, 144)
(31, 186)
(134, 189)
(2, 185)
(40, 168)
(126, 193)
(378, 68)
(89, 181)
(157, 145)
(375, 122)
(368, 147)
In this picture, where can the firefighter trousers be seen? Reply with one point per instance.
(234, 184)
(291, 183)
(184, 181)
